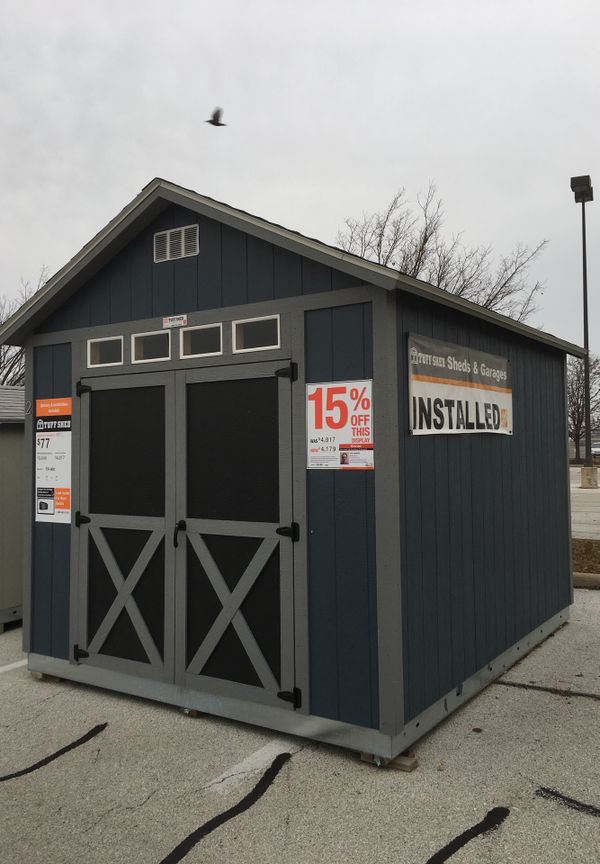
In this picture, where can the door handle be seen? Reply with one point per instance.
(180, 526)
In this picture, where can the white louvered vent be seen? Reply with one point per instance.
(176, 243)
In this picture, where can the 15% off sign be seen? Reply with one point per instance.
(339, 420)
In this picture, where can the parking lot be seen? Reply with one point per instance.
(146, 782)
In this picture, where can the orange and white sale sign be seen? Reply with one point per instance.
(53, 460)
(339, 421)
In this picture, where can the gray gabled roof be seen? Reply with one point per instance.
(159, 194)
(12, 404)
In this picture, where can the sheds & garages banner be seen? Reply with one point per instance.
(456, 390)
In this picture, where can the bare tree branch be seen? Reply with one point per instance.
(12, 357)
(415, 245)
(576, 399)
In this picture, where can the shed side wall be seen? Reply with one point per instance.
(341, 539)
(232, 268)
(51, 543)
(485, 521)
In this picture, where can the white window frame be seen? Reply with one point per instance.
(168, 232)
(135, 336)
(234, 324)
(183, 330)
(104, 339)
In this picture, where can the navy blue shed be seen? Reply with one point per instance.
(191, 537)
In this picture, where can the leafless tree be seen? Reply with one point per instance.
(576, 402)
(12, 357)
(413, 243)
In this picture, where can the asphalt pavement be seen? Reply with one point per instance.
(585, 508)
(153, 779)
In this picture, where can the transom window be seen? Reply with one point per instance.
(150, 347)
(203, 341)
(105, 352)
(256, 334)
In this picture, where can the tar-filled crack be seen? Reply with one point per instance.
(47, 759)
(556, 691)
(182, 849)
(572, 803)
(490, 822)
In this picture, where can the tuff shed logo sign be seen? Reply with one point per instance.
(456, 390)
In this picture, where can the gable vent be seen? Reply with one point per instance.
(176, 243)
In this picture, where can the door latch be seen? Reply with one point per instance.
(180, 526)
(292, 531)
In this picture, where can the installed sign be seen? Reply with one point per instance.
(339, 418)
(453, 389)
(53, 460)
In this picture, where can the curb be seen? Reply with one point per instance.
(586, 580)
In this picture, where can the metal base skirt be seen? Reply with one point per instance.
(292, 722)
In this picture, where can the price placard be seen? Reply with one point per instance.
(339, 419)
(53, 460)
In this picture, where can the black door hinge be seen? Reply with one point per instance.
(80, 519)
(290, 372)
(82, 388)
(294, 696)
(79, 653)
(292, 531)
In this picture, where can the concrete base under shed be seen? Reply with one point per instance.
(333, 732)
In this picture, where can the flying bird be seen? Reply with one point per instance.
(215, 118)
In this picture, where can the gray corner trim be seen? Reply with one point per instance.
(455, 699)
(387, 514)
(569, 515)
(145, 204)
(301, 622)
(279, 719)
(29, 481)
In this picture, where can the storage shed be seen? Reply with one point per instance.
(12, 415)
(278, 483)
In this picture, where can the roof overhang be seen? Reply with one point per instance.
(159, 194)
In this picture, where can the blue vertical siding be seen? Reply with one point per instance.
(51, 572)
(341, 540)
(485, 528)
(232, 268)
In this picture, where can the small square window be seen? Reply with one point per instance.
(148, 347)
(256, 334)
(203, 341)
(105, 352)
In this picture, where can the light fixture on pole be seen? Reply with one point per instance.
(583, 191)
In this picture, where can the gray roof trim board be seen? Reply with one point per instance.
(12, 404)
(158, 194)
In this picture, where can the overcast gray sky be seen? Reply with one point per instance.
(331, 107)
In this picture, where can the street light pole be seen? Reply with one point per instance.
(582, 188)
(586, 344)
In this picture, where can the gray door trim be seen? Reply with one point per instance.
(195, 527)
(160, 527)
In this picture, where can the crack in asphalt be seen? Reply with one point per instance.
(47, 759)
(492, 820)
(555, 691)
(121, 809)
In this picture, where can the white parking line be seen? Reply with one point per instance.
(231, 778)
(10, 666)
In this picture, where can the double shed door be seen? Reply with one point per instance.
(186, 481)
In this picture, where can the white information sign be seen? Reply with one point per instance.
(455, 390)
(175, 321)
(53, 460)
(339, 418)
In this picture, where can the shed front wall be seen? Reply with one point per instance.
(485, 538)
(333, 343)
